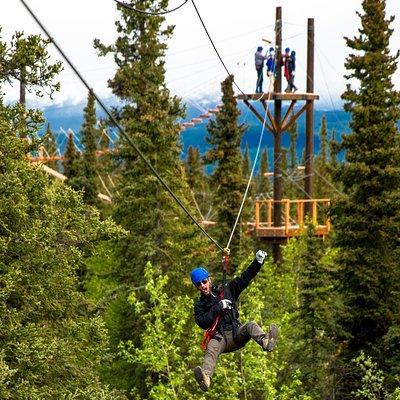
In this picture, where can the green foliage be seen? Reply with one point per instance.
(316, 319)
(367, 218)
(371, 379)
(71, 162)
(263, 185)
(196, 179)
(159, 232)
(50, 147)
(170, 344)
(224, 136)
(27, 59)
(86, 179)
(50, 344)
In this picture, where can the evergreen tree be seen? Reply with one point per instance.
(224, 136)
(246, 166)
(263, 185)
(293, 146)
(367, 218)
(87, 178)
(321, 163)
(333, 144)
(159, 232)
(50, 147)
(248, 208)
(71, 161)
(317, 316)
(27, 59)
(50, 346)
(195, 177)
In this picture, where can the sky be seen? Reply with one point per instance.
(193, 70)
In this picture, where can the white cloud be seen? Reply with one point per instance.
(193, 68)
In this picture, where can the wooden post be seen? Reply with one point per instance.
(287, 216)
(270, 213)
(314, 212)
(308, 181)
(278, 133)
(257, 214)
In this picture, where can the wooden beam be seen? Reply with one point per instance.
(288, 112)
(294, 117)
(259, 116)
(272, 120)
(278, 96)
(270, 117)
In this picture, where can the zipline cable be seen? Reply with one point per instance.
(254, 163)
(262, 131)
(122, 131)
(128, 6)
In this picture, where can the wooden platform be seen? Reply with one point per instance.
(293, 221)
(287, 232)
(278, 96)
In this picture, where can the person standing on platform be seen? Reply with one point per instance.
(285, 64)
(259, 64)
(292, 71)
(271, 63)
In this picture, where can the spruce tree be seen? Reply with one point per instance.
(50, 147)
(263, 185)
(367, 219)
(293, 147)
(333, 150)
(71, 160)
(195, 177)
(87, 178)
(316, 320)
(224, 136)
(159, 232)
(321, 163)
(246, 165)
(50, 345)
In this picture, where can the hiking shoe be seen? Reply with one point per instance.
(202, 379)
(269, 342)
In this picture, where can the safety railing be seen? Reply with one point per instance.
(293, 217)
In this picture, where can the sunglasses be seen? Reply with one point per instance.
(204, 281)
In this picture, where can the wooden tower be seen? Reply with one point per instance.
(278, 227)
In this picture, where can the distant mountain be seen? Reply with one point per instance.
(68, 117)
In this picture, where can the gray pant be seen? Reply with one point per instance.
(218, 344)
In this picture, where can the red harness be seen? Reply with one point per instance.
(210, 332)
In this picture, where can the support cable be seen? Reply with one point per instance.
(256, 157)
(262, 131)
(128, 6)
(122, 131)
(213, 45)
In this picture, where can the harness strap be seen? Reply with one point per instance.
(210, 332)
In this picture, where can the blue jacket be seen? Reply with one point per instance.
(271, 64)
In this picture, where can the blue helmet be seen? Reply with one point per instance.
(259, 48)
(287, 50)
(198, 274)
(271, 49)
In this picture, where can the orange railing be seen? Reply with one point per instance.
(293, 215)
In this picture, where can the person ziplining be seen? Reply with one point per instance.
(216, 313)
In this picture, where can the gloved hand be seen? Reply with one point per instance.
(226, 304)
(293, 73)
(260, 255)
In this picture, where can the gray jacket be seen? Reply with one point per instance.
(259, 59)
